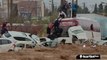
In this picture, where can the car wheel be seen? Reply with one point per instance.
(63, 41)
(105, 44)
(10, 50)
(74, 39)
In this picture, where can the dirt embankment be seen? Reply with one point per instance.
(63, 52)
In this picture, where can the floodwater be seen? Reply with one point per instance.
(101, 19)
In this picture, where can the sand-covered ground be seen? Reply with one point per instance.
(62, 52)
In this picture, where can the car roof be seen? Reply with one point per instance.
(83, 21)
(17, 34)
(81, 18)
(7, 39)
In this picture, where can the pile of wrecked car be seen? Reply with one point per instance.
(79, 34)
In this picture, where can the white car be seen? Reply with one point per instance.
(19, 37)
(6, 45)
(51, 43)
(44, 39)
(34, 37)
(102, 42)
(74, 34)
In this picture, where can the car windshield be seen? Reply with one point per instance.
(34, 37)
(23, 34)
(42, 39)
(7, 35)
(77, 31)
(21, 39)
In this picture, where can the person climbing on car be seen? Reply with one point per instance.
(4, 28)
(55, 26)
(49, 30)
(57, 29)
(53, 29)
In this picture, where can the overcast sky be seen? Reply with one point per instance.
(89, 3)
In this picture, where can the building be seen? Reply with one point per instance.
(27, 8)
(35, 7)
(5, 8)
(1, 10)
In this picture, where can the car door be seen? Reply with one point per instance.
(6, 45)
(78, 32)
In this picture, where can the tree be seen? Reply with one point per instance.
(80, 10)
(46, 12)
(105, 10)
(100, 8)
(95, 9)
(85, 9)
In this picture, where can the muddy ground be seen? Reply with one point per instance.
(62, 52)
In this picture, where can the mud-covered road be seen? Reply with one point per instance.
(62, 52)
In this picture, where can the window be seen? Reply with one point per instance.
(6, 41)
(0, 42)
(7, 35)
(23, 34)
(42, 39)
(77, 31)
(26, 39)
(21, 39)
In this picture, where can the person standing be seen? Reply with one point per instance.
(4, 28)
(74, 9)
(69, 10)
(65, 7)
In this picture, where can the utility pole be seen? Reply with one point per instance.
(10, 5)
(10, 14)
(62, 2)
(52, 6)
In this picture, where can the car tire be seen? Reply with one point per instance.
(63, 41)
(74, 39)
(10, 50)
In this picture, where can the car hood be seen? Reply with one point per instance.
(81, 36)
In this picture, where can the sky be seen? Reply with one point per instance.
(89, 3)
